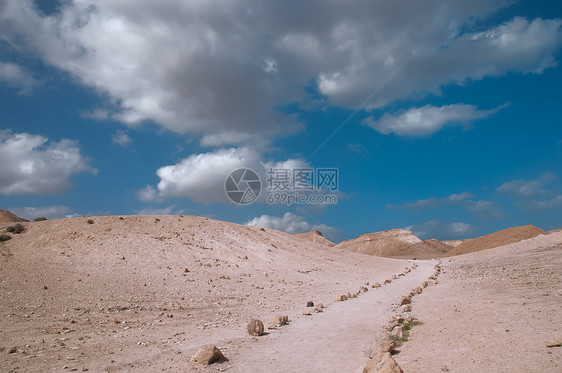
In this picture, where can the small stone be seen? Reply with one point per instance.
(13, 350)
(307, 313)
(554, 343)
(255, 328)
(386, 345)
(208, 355)
(310, 303)
(404, 300)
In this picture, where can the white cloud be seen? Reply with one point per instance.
(527, 188)
(291, 223)
(121, 138)
(426, 120)
(482, 209)
(201, 177)
(485, 210)
(533, 194)
(432, 203)
(243, 60)
(443, 230)
(170, 210)
(50, 212)
(31, 165)
(16, 76)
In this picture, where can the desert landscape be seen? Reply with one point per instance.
(149, 293)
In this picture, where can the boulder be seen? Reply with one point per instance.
(208, 355)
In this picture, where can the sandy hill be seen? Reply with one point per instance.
(500, 238)
(315, 236)
(427, 249)
(137, 287)
(387, 243)
(9, 217)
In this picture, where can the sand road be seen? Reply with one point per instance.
(337, 340)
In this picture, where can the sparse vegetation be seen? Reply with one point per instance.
(90, 221)
(156, 220)
(16, 229)
(5, 237)
(262, 229)
(406, 327)
(42, 218)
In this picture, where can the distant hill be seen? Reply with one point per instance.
(315, 236)
(427, 249)
(500, 238)
(9, 217)
(387, 243)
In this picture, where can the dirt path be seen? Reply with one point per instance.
(337, 340)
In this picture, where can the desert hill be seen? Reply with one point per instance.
(9, 217)
(426, 249)
(386, 244)
(500, 238)
(113, 293)
(315, 236)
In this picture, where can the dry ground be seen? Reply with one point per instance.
(492, 311)
(144, 293)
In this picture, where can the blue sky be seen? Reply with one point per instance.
(442, 117)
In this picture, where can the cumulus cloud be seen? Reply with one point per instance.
(533, 194)
(201, 177)
(32, 165)
(236, 63)
(481, 209)
(169, 210)
(485, 210)
(527, 188)
(291, 223)
(121, 138)
(442, 230)
(432, 203)
(16, 76)
(426, 120)
(50, 212)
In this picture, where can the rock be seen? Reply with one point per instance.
(382, 363)
(338, 298)
(386, 345)
(557, 343)
(394, 277)
(344, 297)
(255, 328)
(397, 332)
(348, 295)
(306, 313)
(13, 350)
(407, 308)
(319, 305)
(387, 281)
(363, 289)
(404, 300)
(208, 355)
(376, 285)
(280, 321)
(310, 303)
(354, 295)
(417, 290)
